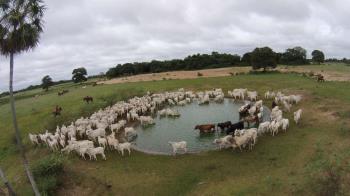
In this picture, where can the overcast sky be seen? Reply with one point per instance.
(99, 34)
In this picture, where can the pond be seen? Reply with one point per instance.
(154, 139)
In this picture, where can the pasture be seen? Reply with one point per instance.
(311, 158)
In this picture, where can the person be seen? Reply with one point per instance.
(274, 104)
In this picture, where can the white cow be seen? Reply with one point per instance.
(297, 115)
(178, 146)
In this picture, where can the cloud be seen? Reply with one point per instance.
(99, 34)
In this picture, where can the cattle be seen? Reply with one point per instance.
(178, 146)
(224, 125)
(208, 128)
(231, 130)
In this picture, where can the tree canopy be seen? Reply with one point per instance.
(263, 58)
(20, 25)
(294, 56)
(46, 82)
(79, 75)
(191, 62)
(246, 59)
(317, 56)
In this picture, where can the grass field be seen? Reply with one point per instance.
(310, 159)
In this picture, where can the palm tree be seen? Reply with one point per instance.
(20, 28)
(7, 183)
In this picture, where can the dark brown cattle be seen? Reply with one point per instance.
(209, 128)
(231, 130)
(224, 125)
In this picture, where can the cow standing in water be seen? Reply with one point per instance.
(209, 128)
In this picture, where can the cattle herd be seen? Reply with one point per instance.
(112, 127)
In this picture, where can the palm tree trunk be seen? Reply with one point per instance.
(17, 133)
(7, 183)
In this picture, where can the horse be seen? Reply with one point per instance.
(208, 128)
(88, 99)
(57, 111)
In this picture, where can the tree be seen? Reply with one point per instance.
(246, 59)
(263, 58)
(294, 56)
(46, 82)
(317, 56)
(20, 29)
(79, 75)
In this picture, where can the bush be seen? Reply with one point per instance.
(47, 172)
(263, 72)
(199, 74)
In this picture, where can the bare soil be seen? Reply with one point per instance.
(179, 75)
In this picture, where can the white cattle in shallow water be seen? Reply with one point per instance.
(178, 146)
(129, 130)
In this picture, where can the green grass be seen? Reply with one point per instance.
(278, 165)
(336, 67)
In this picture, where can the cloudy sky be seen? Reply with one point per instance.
(99, 34)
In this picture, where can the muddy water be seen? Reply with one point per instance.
(154, 139)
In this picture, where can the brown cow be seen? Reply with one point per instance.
(208, 128)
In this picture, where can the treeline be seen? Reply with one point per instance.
(292, 56)
(192, 62)
(32, 87)
(335, 60)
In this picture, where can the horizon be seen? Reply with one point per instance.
(128, 31)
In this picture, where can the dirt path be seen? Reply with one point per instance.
(227, 71)
(179, 75)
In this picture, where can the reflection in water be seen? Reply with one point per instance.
(155, 138)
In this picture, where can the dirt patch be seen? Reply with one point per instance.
(328, 75)
(228, 71)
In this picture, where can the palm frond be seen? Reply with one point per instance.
(21, 22)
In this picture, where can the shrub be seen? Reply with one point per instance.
(199, 74)
(47, 172)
